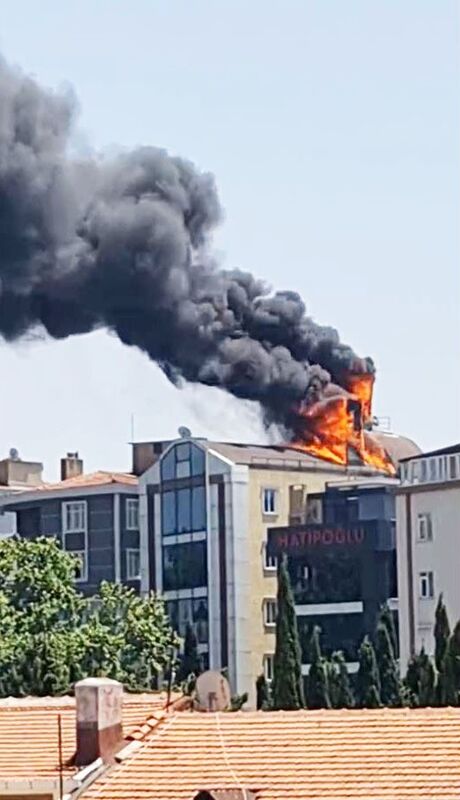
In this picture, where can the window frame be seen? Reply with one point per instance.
(193, 491)
(270, 512)
(426, 579)
(268, 664)
(424, 520)
(270, 612)
(269, 567)
(130, 504)
(129, 553)
(83, 554)
(64, 509)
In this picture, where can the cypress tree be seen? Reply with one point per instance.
(419, 682)
(340, 691)
(190, 663)
(451, 670)
(441, 633)
(317, 681)
(287, 690)
(390, 685)
(386, 618)
(367, 679)
(263, 700)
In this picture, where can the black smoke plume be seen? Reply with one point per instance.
(124, 244)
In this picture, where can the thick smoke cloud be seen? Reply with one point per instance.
(125, 245)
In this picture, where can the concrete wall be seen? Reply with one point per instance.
(441, 556)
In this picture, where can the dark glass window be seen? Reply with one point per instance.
(182, 461)
(184, 517)
(184, 566)
(169, 512)
(198, 508)
(338, 632)
(191, 611)
(331, 579)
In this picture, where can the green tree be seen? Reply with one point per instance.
(263, 697)
(287, 690)
(340, 691)
(386, 618)
(317, 694)
(390, 684)
(51, 636)
(190, 663)
(367, 679)
(419, 683)
(441, 638)
(450, 687)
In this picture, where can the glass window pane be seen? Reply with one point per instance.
(185, 615)
(183, 469)
(183, 452)
(183, 511)
(200, 620)
(167, 466)
(168, 512)
(184, 566)
(198, 460)
(198, 508)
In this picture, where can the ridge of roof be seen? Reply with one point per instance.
(98, 478)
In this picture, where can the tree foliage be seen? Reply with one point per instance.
(367, 679)
(386, 618)
(287, 690)
(263, 696)
(190, 662)
(449, 678)
(340, 691)
(317, 694)
(51, 636)
(441, 633)
(419, 683)
(390, 685)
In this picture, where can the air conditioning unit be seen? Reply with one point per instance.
(315, 510)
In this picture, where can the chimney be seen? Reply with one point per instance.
(71, 466)
(99, 719)
(14, 472)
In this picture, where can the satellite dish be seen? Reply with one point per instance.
(14, 455)
(185, 433)
(212, 691)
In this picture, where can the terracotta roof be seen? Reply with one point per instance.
(99, 478)
(387, 754)
(29, 731)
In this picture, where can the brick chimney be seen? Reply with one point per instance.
(71, 466)
(99, 719)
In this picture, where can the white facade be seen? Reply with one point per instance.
(428, 545)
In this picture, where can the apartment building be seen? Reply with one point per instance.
(16, 476)
(205, 508)
(428, 536)
(94, 516)
(342, 564)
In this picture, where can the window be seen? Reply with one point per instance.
(74, 517)
(453, 467)
(270, 612)
(184, 510)
(270, 562)
(182, 461)
(133, 564)
(184, 566)
(189, 612)
(268, 667)
(81, 575)
(433, 469)
(132, 514)
(426, 585)
(424, 528)
(269, 497)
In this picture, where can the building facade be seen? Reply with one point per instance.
(94, 516)
(205, 508)
(428, 515)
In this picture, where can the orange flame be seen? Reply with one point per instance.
(329, 427)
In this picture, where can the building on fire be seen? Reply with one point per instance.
(428, 513)
(205, 509)
(342, 564)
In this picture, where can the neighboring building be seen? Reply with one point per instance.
(95, 516)
(205, 508)
(136, 748)
(16, 476)
(342, 563)
(428, 536)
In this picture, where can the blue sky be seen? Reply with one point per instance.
(333, 129)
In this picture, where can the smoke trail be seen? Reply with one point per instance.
(125, 245)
